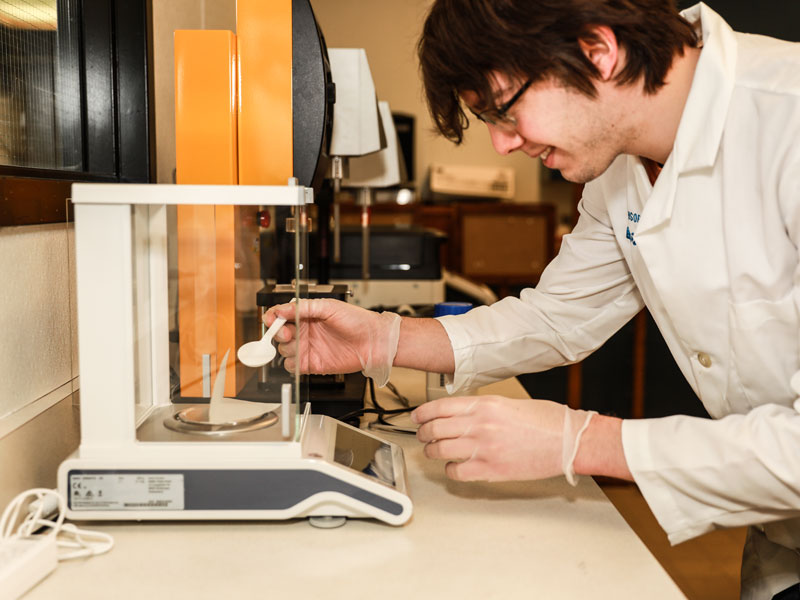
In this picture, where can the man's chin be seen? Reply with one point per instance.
(583, 173)
(578, 177)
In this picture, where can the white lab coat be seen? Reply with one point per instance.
(712, 251)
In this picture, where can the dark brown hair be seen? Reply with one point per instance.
(463, 41)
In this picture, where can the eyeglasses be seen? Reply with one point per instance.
(497, 116)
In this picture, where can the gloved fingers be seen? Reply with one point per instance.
(305, 309)
(321, 308)
(286, 333)
(451, 449)
(290, 364)
(468, 470)
(301, 356)
(288, 345)
(444, 408)
(445, 428)
(287, 311)
(287, 349)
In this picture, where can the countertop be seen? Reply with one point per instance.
(541, 539)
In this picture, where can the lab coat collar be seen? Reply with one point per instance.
(702, 123)
(700, 130)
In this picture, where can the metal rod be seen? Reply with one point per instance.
(365, 195)
(337, 169)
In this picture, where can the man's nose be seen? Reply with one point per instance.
(505, 142)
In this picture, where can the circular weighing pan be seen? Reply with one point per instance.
(194, 419)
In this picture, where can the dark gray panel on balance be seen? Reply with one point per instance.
(250, 489)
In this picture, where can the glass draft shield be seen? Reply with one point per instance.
(168, 280)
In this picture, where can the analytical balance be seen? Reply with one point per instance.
(150, 451)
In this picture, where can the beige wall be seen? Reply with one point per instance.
(388, 30)
(37, 314)
(38, 355)
(30, 455)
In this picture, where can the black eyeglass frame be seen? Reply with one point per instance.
(497, 115)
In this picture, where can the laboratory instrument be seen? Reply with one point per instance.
(148, 453)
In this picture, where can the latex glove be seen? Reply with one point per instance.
(492, 438)
(336, 337)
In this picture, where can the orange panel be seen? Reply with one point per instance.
(206, 153)
(226, 297)
(264, 31)
(205, 107)
(196, 296)
(237, 276)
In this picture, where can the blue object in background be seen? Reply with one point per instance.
(451, 308)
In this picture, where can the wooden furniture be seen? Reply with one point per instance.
(505, 245)
(501, 244)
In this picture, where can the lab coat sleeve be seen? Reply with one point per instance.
(698, 475)
(744, 469)
(584, 296)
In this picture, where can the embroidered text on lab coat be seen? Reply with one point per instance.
(633, 218)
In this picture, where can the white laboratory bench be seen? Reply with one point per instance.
(541, 539)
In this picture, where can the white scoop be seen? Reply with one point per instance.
(257, 354)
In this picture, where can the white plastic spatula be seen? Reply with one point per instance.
(257, 354)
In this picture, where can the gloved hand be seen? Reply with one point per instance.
(336, 337)
(492, 438)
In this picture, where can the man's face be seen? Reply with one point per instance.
(578, 135)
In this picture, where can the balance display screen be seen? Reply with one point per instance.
(364, 454)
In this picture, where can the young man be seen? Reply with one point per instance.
(688, 137)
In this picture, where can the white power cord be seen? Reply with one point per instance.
(46, 510)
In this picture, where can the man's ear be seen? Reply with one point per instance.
(599, 45)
